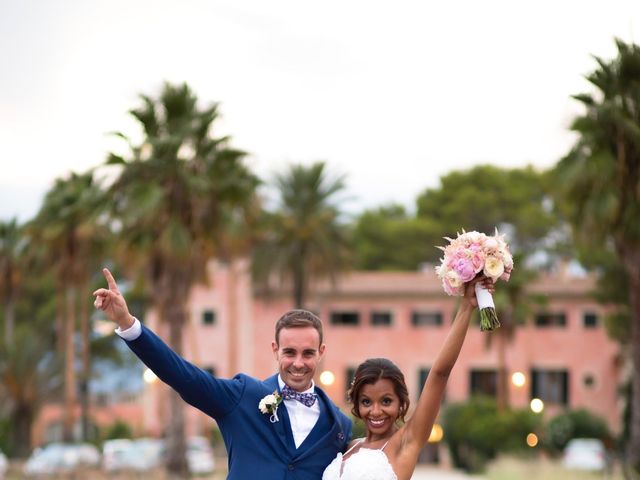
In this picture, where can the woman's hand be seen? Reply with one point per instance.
(470, 290)
(112, 303)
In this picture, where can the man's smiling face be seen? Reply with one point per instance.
(298, 353)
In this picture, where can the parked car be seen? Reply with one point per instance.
(200, 456)
(61, 457)
(88, 454)
(4, 464)
(117, 454)
(148, 454)
(585, 454)
(141, 454)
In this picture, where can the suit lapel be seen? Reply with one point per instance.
(283, 426)
(326, 427)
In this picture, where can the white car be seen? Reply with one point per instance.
(585, 454)
(4, 464)
(148, 454)
(117, 454)
(61, 457)
(200, 456)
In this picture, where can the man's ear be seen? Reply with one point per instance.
(274, 349)
(321, 349)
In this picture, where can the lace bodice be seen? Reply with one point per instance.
(365, 464)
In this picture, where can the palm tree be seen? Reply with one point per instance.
(600, 176)
(67, 229)
(304, 239)
(12, 247)
(175, 197)
(29, 376)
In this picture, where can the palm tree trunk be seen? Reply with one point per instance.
(177, 467)
(60, 315)
(299, 279)
(22, 420)
(233, 319)
(502, 401)
(86, 364)
(9, 320)
(69, 366)
(633, 448)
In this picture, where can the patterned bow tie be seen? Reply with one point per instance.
(307, 399)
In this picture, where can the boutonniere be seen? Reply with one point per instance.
(269, 406)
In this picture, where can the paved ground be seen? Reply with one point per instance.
(435, 473)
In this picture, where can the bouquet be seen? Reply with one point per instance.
(468, 255)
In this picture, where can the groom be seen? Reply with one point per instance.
(280, 428)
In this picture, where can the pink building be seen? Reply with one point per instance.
(563, 351)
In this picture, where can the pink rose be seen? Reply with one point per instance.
(464, 268)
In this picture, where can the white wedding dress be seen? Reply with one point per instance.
(365, 464)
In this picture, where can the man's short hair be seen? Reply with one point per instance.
(298, 319)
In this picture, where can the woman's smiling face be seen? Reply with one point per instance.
(379, 406)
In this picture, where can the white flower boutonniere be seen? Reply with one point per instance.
(269, 405)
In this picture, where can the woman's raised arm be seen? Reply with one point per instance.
(416, 431)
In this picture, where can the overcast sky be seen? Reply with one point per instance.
(392, 94)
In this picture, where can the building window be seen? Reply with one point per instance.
(424, 319)
(381, 318)
(551, 320)
(590, 320)
(208, 317)
(210, 370)
(550, 386)
(588, 380)
(484, 382)
(423, 373)
(345, 318)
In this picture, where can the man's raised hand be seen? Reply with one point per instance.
(112, 303)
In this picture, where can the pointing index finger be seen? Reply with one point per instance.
(113, 286)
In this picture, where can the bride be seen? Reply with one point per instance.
(379, 397)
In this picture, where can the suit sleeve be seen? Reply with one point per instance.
(214, 396)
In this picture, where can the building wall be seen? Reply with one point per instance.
(239, 330)
(240, 339)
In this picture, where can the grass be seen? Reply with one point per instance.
(505, 468)
(509, 468)
(15, 473)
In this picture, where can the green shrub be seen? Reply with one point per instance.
(118, 429)
(5, 436)
(358, 429)
(475, 432)
(578, 423)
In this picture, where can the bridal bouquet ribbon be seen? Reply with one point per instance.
(471, 254)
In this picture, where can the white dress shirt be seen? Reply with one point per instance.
(302, 418)
(131, 333)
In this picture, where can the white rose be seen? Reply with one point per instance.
(507, 259)
(493, 267)
(263, 406)
(491, 243)
(454, 279)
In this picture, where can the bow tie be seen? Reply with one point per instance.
(307, 399)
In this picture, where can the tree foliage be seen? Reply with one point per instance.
(599, 182)
(304, 238)
(178, 193)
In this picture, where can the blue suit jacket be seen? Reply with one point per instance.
(256, 447)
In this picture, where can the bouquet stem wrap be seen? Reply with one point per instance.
(488, 317)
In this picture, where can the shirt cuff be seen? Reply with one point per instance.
(131, 333)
